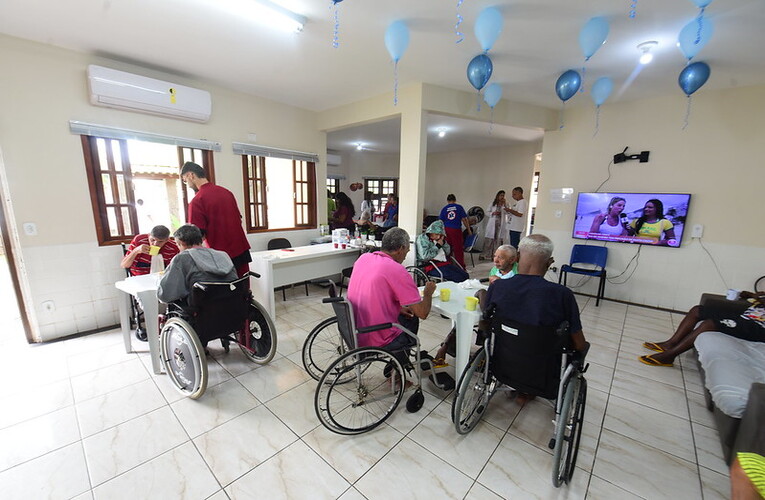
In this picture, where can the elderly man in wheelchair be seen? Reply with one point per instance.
(532, 343)
(207, 301)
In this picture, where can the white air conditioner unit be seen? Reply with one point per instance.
(121, 90)
(334, 160)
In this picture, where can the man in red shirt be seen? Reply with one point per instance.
(214, 210)
(137, 257)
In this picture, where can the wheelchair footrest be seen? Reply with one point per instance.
(442, 380)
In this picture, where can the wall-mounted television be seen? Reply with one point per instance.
(642, 218)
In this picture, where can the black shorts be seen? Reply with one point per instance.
(728, 320)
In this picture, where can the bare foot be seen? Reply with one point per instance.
(522, 398)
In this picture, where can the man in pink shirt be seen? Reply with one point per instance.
(382, 291)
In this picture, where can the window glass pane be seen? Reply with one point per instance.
(102, 159)
(117, 156)
(127, 227)
(304, 190)
(281, 200)
(121, 189)
(106, 180)
(111, 217)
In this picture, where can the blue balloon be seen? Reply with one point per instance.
(567, 85)
(693, 76)
(692, 39)
(492, 94)
(479, 71)
(593, 35)
(488, 26)
(701, 3)
(397, 39)
(601, 89)
(335, 2)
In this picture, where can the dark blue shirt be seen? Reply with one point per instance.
(534, 301)
(452, 215)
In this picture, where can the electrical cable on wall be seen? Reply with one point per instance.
(636, 259)
(713, 262)
(607, 178)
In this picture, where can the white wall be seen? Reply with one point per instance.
(46, 87)
(718, 159)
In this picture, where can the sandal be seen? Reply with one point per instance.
(439, 363)
(650, 361)
(653, 346)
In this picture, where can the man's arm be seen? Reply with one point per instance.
(577, 338)
(132, 252)
(466, 223)
(422, 308)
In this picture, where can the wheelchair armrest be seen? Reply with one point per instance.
(200, 286)
(332, 299)
(374, 328)
(578, 357)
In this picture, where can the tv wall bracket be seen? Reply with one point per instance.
(621, 157)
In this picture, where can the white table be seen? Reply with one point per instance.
(145, 289)
(295, 265)
(465, 320)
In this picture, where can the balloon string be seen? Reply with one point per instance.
(491, 124)
(460, 35)
(562, 115)
(687, 113)
(633, 9)
(478, 101)
(335, 38)
(597, 122)
(700, 21)
(581, 85)
(395, 83)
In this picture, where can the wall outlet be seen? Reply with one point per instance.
(558, 214)
(30, 228)
(697, 231)
(48, 306)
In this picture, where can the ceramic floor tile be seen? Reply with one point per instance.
(93, 360)
(104, 380)
(294, 473)
(651, 427)
(217, 405)
(38, 436)
(34, 401)
(352, 494)
(709, 449)
(118, 406)
(418, 474)
(291, 340)
(715, 486)
(353, 456)
(178, 474)
(235, 362)
(530, 475)
(660, 396)
(296, 409)
(480, 492)
(600, 489)
(501, 411)
(468, 453)
(61, 474)
(237, 446)
(599, 377)
(273, 379)
(629, 364)
(627, 464)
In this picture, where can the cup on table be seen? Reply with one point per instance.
(336, 244)
(471, 303)
(445, 294)
(153, 250)
(732, 294)
(343, 246)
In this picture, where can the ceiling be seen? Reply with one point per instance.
(194, 38)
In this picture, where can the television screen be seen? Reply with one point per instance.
(644, 218)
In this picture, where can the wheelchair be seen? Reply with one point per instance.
(215, 310)
(535, 360)
(362, 387)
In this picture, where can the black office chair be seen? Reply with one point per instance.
(136, 314)
(587, 254)
(279, 243)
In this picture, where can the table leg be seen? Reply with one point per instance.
(125, 310)
(150, 314)
(464, 340)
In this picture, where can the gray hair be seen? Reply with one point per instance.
(394, 239)
(537, 245)
(189, 235)
(160, 232)
(510, 249)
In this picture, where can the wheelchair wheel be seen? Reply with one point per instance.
(359, 391)
(568, 430)
(322, 346)
(258, 343)
(473, 394)
(184, 357)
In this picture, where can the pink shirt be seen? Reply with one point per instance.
(378, 288)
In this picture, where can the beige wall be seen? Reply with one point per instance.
(43, 88)
(717, 159)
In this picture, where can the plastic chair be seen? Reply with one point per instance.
(277, 244)
(587, 254)
(470, 243)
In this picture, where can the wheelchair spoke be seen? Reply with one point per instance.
(322, 346)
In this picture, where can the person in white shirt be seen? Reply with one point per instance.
(517, 216)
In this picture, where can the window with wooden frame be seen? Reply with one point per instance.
(333, 185)
(280, 193)
(380, 189)
(134, 185)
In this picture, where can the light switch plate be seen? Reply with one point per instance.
(30, 229)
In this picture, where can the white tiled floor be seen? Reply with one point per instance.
(82, 419)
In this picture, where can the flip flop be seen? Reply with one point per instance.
(439, 363)
(653, 346)
(650, 361)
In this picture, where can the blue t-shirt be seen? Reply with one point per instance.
(534, 301)
(452, 215)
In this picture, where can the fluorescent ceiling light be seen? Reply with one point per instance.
(264, 12)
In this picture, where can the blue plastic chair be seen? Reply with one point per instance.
(587, 254)
(469, 244)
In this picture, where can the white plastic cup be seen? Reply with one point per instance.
(732, 294)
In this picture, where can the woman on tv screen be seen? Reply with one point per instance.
(652, 225)
(611, 221)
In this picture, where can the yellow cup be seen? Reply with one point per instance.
(153, 250)
(471, 303)
(445, 294)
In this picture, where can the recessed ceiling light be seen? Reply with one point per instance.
(359, 146)
(646, 47)
(441, 132)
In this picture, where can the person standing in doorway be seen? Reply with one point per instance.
(454, 216)
(215, 212)
(517, 217)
